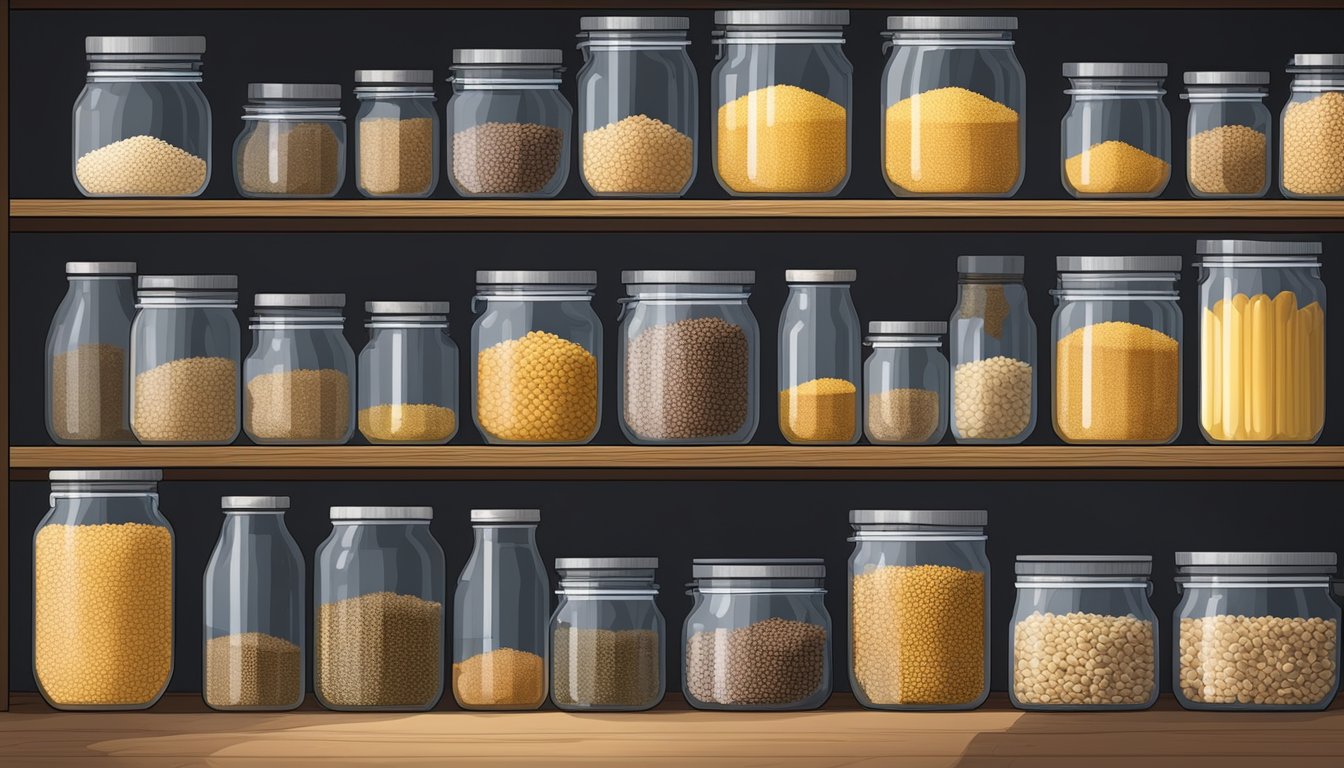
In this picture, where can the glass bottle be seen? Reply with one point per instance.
(408, 374)
(1229, 137)
(292, 143)
(1311, 160)
(1117, 133)
(819, 359)
(993, 351)
(396, 133)
(905, 384)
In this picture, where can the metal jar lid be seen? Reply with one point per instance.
(188, 282)
(949, 518)
(152, 44)
(633, 23)
(506, 515)
(951, 23)
(537, 277)
(258, 503)
(294, 91)
(1085, 565)
(105, 475)
(394, 77)
(1318, 59)
(802, 18)
(689, 276)
(759, 568)
(1114, 69)
(821, 275)
(100, 267)
(382, 513)
(1255, 564)
(1118, 263)
(298, 300)
(606, 563)
(406, 307)
(1257, 248)
(991, 265)
(507, 56)
(1227, 78)
(907, 328)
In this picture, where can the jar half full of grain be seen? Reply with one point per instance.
(1229, 137)
(1312, 128)
(819, 361)
(396, 133)
(292, 143)
(993, 351)
(905, 383)
(408, 374)
(1116, 136)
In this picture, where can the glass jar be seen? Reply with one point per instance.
(87, 348)
(1227, 147)
(142, 123)
(1262, 341)
(184, 360)
(103, 591)
(254, 606)
(919, 609)
(954, 101)
(292, 143)
(638, 106)
(408, 374)
(1255, 631)
(782, 90)
(993, 349)
(758, 636)
(379, 615)
(500, 615)
(1117, 333)
(536, 357)
(905, 384)
(607, 636)
(1117, 132)
(819, 362)
(1083, 636)
(508, 123)
(1312, 151)
(396, 133)
(297, 376)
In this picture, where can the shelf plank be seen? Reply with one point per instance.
(686, 4)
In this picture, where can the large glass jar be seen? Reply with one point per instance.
(689, 357)
(954, 102)
(500, 615)
(782, 92)
(536, 355)
(993, 350)
(1117, 332)
(1228, 141)
(1117, 133)
(820, 365)
(758, 636)
(142, 123)
(1262, 341)
(292, 143)
(103, 591)
(408, 374)
(919, 609)
(1312, 130)
(88, 348)
(1255, 631)
(379, 611)
(905, 384)
(638, 106)
(254, 608)
(396, 133)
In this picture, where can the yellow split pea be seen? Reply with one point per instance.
(539, 388)
(783, 140)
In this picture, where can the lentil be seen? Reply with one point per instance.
(538, 388)
(379, 650)
(1257, 659)
(903, 415)
(396, 157)
(1116, 168)
(986, 302)
(1084, 659)
(992, 398)
(290, 159)
(605, 668)
(506, 158)
(782, 139)
(252, 669)
(303, 404)
(952, 141)
(88, 394)
(687, 379)
(504, 677)
(819, 411)
(407, 423)
(141, 165)
(771, 662)
(1313, 145)
(637, 155)
(1117, 381)
(1228, 160)
(192, 400)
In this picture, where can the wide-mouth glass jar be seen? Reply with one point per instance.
(993, 352)
(819, 359)
(1312, 128)
(292, 143)
(408, 374)
(905, 383)
(88, 355)
(396, 133)
(1117, 133)
(1228, 141)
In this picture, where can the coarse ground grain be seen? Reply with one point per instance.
(283, 158)
(396, 157)
(987, 302)
(303, 404)
(1267, 660)
(192, 400)
(1116, 168)
(88, 394)
(1084, 659)
(141, 165)
(379, 650)
(103, 613)
(991, 398)
(605, 668)
(539, 388)
(1313, 146)
(952, 141)
(1117, 381)
(919, 634)
(506, 158)
(504, 678)
(782, 139)
(1229, 160)
(903, 415)
(637, 155)
(252, 669)
(687, 379)
(407, 423)
(769, 663)
(819, 411)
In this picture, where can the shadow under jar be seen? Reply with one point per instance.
(396, 133)
(905, 384)
(1312, 128)
(1228, 141)
(820, 368)
(1116, 136)
(993, 353)
(292, 143)
(408, 374)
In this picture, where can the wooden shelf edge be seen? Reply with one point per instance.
(686, 4)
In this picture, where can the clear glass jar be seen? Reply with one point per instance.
(1117, 132)
(142, 123)
(1083, 636)
(1117, 332)
(88, 345)
(297, 386)
(1255, 631)
(408, 374)
(396, 133)
(254, 608)
(782, 90)
(103, 591)
(954, 103)
(379, 615)
(905, 384)
(292, 143)
(532, 327)
(820, 366)
(500, 615)
(1312, 130)
(508, 123)
(1227, 146)
(607, 636)
(993, 350)
(1262, 341)
(638, 106)
(184, 360)
(919, 609)
(758, 636)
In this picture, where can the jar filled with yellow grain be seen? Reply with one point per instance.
(1312, 131)
(103, 591)
(396, 133)
(1228, 142)
(905, 383)
(993, 353)
(819, 362)
(292, 143)
(408, 374)
(1117, 133)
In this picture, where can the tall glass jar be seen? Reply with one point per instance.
(1227, 145)
(408, 374)
(820, 365)
(396, 133)
(1117, 133)
(905, 384)
(88, 348)
(254, 608)
(1312, 130)
(292, 143)
(782, 91)
(993, 349)
(103, 591)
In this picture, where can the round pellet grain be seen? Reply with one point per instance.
(1084, 659)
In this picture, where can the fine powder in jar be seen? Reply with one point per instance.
(1228, 160)
(903, 415)
(1117, 381)
(290, 159)
(304, 404)
(782, 139)
(88, 394)
(506, 158)
(504, 677)
(952, 141)
(1313, 145)
(687, 379)
(407, 423)
(379, 650)
(539, 388)
(252, 669)
(141, 165)
(637, 155)
(1083, 659)
(991, 398)
(605, 668)
(1257, 659)
(1116, 168)
(771, 662)
(192, 400)
(396, 157)
(819, 411)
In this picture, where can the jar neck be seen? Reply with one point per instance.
(615, 41)
(988, 38)
(293, 109)
(904, 342)
(114, 503)
(184, 299)
(495, 535)
(1091, 88)
(917, 533)
(390, 93)
(1224, 93)
(779, 35)
(294, 318)
(977, 278)
(254, 522)
(524, 77)
(125, 68)
(1147, 286)
(1316, 79)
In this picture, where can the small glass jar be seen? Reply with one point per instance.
(782, 90)
(638, 106)
(88, 349)
(254, 609)
(1083, 636)
(500, 615)
(919, 609)
(758, 636)
(1255, 631)
(1117, 332)
(1262, 341)
(820, 366)
(954, 103)
(103, 591)
(607, 636)
(292, 143)
(396, 133)
(142, 123)
(408, 374)
(297, 386)
(905, 384)
(536, 353)
(184, 360)
(1117, 132)
(1227, 147)
(379, 611)
(993, 350)
(1312, 130)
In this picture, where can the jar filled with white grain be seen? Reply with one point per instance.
(292, 143)
(396, 133)
(1312, 130)
(993, 352)
(905, 383)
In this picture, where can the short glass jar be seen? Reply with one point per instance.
(292, 143)
(905, 384)
(396, 133)
(820, 365)
(88, 355)
(1228, 143)
(993, 352)
(408, 374)
(1312, 149)
(1117, 133)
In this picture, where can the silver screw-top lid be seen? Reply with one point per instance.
(506, 515)
(689, 276)
(807, 18)
(1254, 564)
(759, 568)
(821, 275)
(105, 475)
(951, 518)
(1118, 263)
(991, 265)
(100, 267)
(507, 56)
(394, 76)
(382, 513)
(1114, 69)
(154, 44)
(1318, 59)
(1227, 78)
(188, 282)
(633, 23)
(269, 503)
(1257, 248)
(1084, 565)
(907, 327)
(299, 300)
(605, 563)
(406, 307)
(536, 277)
(951, 23)
(295, 91)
